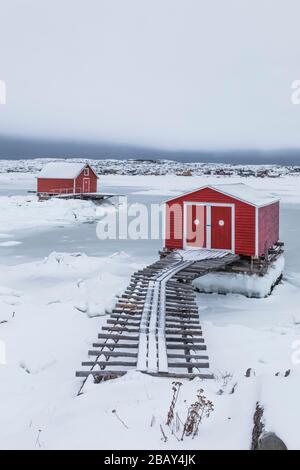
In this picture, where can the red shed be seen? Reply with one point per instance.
(66, 178)
(233, 217)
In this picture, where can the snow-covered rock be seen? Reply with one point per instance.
(250, 285)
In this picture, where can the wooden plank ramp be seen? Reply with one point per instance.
(154, 327)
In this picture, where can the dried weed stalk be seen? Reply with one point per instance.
(196, 413)
(176, 389)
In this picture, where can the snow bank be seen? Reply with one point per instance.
(89, 284)
(239, 283)
(26, 212)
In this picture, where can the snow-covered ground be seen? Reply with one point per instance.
(51, 310)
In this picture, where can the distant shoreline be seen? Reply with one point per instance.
(17, 148)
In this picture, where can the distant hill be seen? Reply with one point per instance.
(18, 148)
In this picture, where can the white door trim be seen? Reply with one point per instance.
(208, 226)
(89, 184)
(256, 230)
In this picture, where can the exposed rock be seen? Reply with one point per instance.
(269, 441)
(258, 427)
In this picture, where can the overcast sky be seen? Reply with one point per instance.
(194, 74)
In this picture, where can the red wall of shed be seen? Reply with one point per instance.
(268, 227)
(244, 220)
(93, 182)
(54, 185)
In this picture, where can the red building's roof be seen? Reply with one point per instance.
(62, 170)
(240, 191)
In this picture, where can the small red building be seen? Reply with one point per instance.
(66, 178)
(233, 217)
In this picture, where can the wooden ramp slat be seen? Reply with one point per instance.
(185, 340)
(116, 329)
(187, 356)
(115, 337)
(100, 373)
(195, 347)
(183, 332)
(97, 352)
(109, 363)
(189, 365)
(116, 345)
